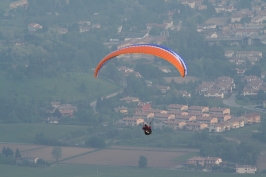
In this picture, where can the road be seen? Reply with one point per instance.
(93, 104)
(231, 102)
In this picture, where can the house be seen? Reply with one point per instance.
(63, 30)
(240, 54)
(211, 161)
(177, 107)
(31, 160)
(196, 161)
(159, 117)
(175, 124)
(214, 93)
(216, 128)
(144, 115)
(136, 36)
(67, 107)
(234, 123)
(263, 75)
(229, 53)
(52, 120)
(242, 169)
(195, 114)
(237, 60)
(198, 109)
(236, 18)
(156, 111)
(131, 121)
(55, 105)
(67, 112)
(163, 88)
(196, 126)
(34, 27)
(241, 121)
(175, 112)
(83, 29)
(185, 118)
(220, 127)
(207, 120)
(144, 106)
(240, 71)
(183, 93)
(121, 109)
(253, 117)
(224, 111)
(220, 117)
(207, 161)
(130, 99)
(164, 69)
(19, 3)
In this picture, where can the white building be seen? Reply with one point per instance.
(241, 169)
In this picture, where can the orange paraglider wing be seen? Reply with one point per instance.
(150, 49)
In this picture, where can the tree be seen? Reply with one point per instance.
(17, 153)
(4, 152)
(143, 162)
(57, 152)
(57, 113)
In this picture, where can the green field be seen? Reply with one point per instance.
(66, 87)
(25, 133)
(104, 171)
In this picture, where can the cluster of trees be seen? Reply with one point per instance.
(218, 146)
(8, 157)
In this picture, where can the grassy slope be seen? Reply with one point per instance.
(65, 86)
(25, 133)
(103, 171)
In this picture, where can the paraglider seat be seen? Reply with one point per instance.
(148, 132)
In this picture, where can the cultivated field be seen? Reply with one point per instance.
(118, 157)
(115, 156)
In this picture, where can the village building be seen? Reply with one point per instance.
(244, 169)
(204, 161)
(223, 111)
(175, 125)
(220, 117)
(207, 120)
(185, 118)
(177, 107)
(121, 109)
(159, 117)
(198, 109)
(144, 115)
(253, 117)
(32, 27)
(131, 121)
(130, 99)
(196, 126)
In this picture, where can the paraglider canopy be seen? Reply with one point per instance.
(150, 49)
